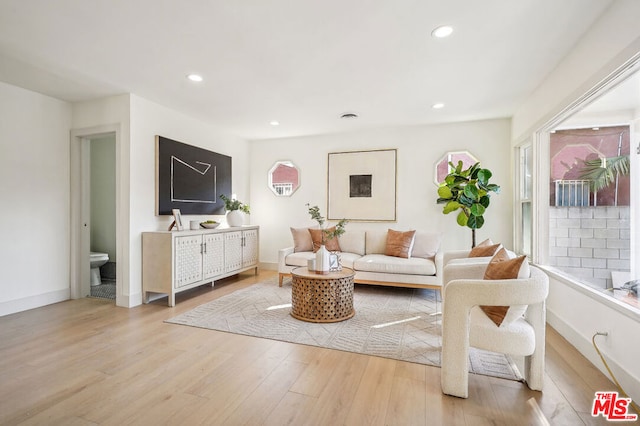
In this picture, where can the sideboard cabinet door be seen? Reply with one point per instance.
(250, 248)
(188, 258)
(232, 251)
(213, 256)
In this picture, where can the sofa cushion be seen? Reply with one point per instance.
(375, 242)
(501, 267)
(347, 259)
(399, 244)
(301, 239)
(299, 258)
(426, 244)
(316, 236)
(395, 265)
(352, 241)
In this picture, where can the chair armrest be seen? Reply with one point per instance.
(471, 271)
(473, 292)
(455, 254)
(282, 256)
(441, 260)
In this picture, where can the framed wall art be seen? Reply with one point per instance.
(362, 185)
(190, 178)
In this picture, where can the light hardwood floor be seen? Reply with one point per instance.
(86, 362)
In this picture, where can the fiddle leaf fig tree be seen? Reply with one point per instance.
(468, 191)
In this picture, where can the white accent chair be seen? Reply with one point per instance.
(464, 324)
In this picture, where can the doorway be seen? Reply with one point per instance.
(81, 209)
(102, 216)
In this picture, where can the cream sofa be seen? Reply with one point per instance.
(363, 251)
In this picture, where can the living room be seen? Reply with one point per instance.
(40, 204)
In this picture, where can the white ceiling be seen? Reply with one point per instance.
(300, 62)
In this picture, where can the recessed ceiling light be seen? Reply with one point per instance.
(439, 105)
(349, 115)
(195, 77)
(274, 123)
(596, 128)
(442, 31)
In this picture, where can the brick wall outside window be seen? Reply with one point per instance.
(590, 242)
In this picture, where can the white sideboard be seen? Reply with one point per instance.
(174, 261)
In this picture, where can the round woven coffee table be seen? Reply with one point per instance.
(322, 297)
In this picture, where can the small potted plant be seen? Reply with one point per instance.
(235, 210)
(322, 255)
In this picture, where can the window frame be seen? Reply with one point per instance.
(540, 203)
(521, 199)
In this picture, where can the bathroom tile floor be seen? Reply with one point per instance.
(106, 290)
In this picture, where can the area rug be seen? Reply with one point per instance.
(397, 323)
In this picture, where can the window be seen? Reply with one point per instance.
(525, 196)
(581, 198)
(589, 234)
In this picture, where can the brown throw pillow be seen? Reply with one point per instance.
(399, 244)
(316, 236)
(501, 267)
(484, 249)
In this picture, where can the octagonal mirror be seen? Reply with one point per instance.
(442, 166)
(284, 178)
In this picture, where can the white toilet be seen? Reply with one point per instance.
(97, 260)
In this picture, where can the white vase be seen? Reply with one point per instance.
(235, 218)
(322, 260)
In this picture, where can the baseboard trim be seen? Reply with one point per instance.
(129, 301)
(584, 345)
(268, 266)
(32, 302)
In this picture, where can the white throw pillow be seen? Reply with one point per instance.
(301, 239)
(426, 244)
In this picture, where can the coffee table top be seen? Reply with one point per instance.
(304, 272)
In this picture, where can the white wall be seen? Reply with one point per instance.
(609, 44)
(578, 313)
(149, 119)
(419, 148)
(34, 189)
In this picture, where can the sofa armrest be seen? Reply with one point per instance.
(282, 256)
(439, 261)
